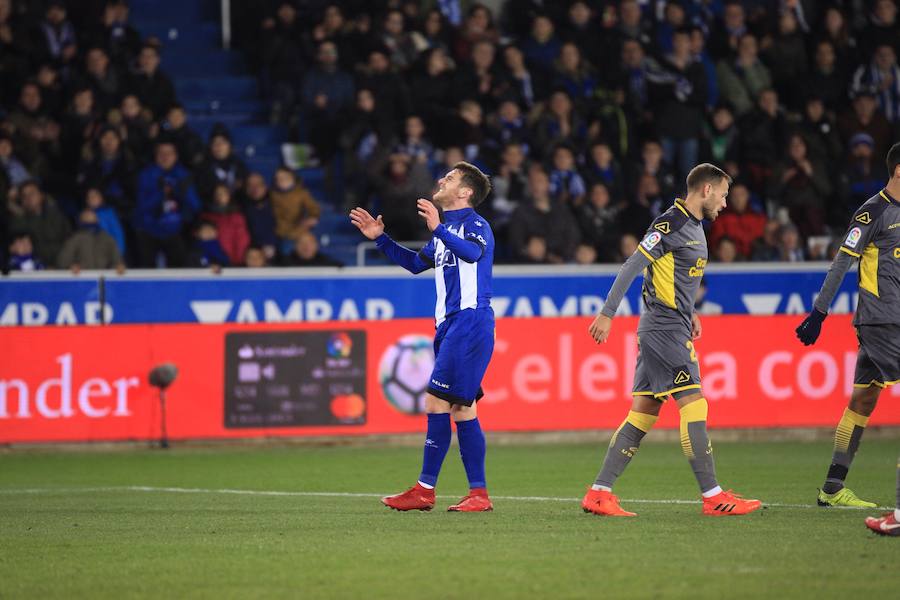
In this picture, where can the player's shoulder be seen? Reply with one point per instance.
(476, 223)
(873, 209)
(672, 220)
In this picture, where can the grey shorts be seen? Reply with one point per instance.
(878, 361)
(666, 364)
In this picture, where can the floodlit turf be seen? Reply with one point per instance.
(120, 542)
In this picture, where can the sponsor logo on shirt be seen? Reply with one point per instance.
(853, 237)
(894, 226)
(697, 270)
(651, 240)
(445, 259)
(693, 243)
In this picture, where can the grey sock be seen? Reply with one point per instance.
(699, 454)
(847, 437)
(622, 448)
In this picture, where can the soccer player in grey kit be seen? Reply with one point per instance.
(674, 254)
(873, 239)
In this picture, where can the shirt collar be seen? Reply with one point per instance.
(884, 194)
(458, 216)
(679, 204)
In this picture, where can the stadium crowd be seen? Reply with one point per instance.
(587, 115)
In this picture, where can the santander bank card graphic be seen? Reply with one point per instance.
(295, 378)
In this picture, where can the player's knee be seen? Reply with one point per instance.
(435, 405)
(863, 400)
(463, 413)
(647, 405)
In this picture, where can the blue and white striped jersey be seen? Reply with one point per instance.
(463, 272)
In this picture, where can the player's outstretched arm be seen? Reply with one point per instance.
(808, 331)
(373, 229)
(632, 267)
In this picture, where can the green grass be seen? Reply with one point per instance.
(126, 543)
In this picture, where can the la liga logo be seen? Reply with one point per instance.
(340, 345)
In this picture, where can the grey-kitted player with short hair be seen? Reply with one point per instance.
(674, 254)
(873, 239)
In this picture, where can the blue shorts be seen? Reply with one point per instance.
(463, 345)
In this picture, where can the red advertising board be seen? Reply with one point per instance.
(90, 383)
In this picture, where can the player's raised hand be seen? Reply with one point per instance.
(599, 329)
(809, 330)
(369, 227)
(429, 212)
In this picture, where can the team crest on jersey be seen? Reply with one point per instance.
(445, 259)
(864, 218)
(662, 227)
(651, 240)
(853, 237)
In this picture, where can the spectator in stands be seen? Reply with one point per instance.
(55, 38)
(837, 31)
(21, 253)
(726, 250)
(294, 207)
(509, 186)
(230, 223)
(167, 204)
(431, 88)
(508, 126)
(765, 248)
(567, 187)
(37, 214)
(882, 75)
(80, 125)
(110, 168)
(89, 247)
(121, 41)
(35, 133)
(761, 140)
(862, 177)
(12, 168)
(883, 27)
(632, 77)
(802, 186)
(725, 37)
(468, 130)
(738, 222)
(477, 27)
(865, 117)
(541, 48)
(255, 258)
(700, 55)
(598, 220)
(574, 74)
(327, 95)
(136, 127)
(307, 254)
(107, 218)
(206, 250)
(435, 31)
(743, 78)
(819, 129)
(283, 59)
(581, 30)
(398, 42)
(257, 205)
(51, 86)
(787, 58)
(826, 79)
(392, 98)
(632, 25)
(559, 123)
(480, 80)
(680, 93)
(602, 167)
(651, 163)
(527, 85)
(102, 78)
(190, 147)
(789, 244)
(628, 245)
(415, 142)
(719, 143)
(398, 180)
(150, 84)
(221, 166)
(538, 216)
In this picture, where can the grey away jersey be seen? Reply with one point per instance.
(675, 244)
(874, 239)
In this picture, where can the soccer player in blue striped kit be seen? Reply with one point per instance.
(461, 252)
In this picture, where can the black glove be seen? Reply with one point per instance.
(809, 329)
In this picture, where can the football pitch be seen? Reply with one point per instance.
(306, 522)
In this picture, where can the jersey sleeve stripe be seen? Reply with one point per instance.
(850, 252)
(647, 254)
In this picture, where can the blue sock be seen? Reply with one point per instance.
(437, 442)
(472, 449)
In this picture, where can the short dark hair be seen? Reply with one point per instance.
(705, 173)
(893, 159)
(475, 180)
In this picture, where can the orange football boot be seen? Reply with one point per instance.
(415, 498)
(606, 504)
(476, 501)
(728, 503)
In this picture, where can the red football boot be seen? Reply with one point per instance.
(725, 504)
(476, 501)
(415, 498)
(603, 503)
(884, 525)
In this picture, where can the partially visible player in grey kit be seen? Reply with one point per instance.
(873, 239)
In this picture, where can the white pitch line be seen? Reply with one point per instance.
(181, 490)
